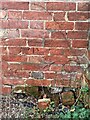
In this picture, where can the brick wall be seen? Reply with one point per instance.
(43, 43)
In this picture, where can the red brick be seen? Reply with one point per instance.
(59, 16)
(75, 16)
(79, 60)
(18, 82)
(39, 82)
(6, 90)
(55, 51)
(28, 15)
(83, 6)
(58, 35)
(10, 33)
(14, 50)
(13, 82)
(15, 15)
(35, 42)
(59, 25)
(69, 68)
(64, 6)
(50, 75)
(74, 52)
(61, 83)
(27, 50)
(58, 76)
(14, 42)
(41, 51)
(13, 33)
(57, 43)
(10, 24)
(15, 66)
(15, 5)
(82, 25)
(31, 67)
(77, 35)
(56, 59)
(36, 25)
(37, 6)
(16, 74)
(45, 67)
(56, 68)
(3, 50)
(14, 58)
(3, 14)
(79, 44)
(35, 33)
(35, 59)
(4, 65)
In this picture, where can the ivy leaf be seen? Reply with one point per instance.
(85, 89)
(75, 115)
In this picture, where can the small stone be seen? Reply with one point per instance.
(37, 75)
(68, 98)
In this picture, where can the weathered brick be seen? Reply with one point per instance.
(9, 33)
(14, 50)
(76, 16)
(15, 15)
(79, 44)
(28, 15)
(13, 82)
(31, 67)
(39, 82)
(58, 35)
(64, 6)
(41, 51)
(16, 74)
(61, 83)
(35, 33)
(35, 59)
(59, 25)
(55, 51)
(4, 65)
(14, 58)
(69, 68)
(12, 33)
(36, 24)
(26, 50)
(15, 66)
(14, 42)
(15, 5)
(5, 90)
(57, 43)
(34, 42)
(82, 25)
(56, 59)
(59, 16)
(37, 6)
(83, 6)
(50, 75)
(3, 50)
(56, 68)
(11, 24)
(77, 35)
(74, 52)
